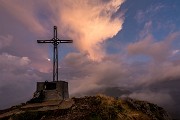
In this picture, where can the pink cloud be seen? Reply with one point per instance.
(158, 50)
(88, 22)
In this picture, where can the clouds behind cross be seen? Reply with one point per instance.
(55, 41)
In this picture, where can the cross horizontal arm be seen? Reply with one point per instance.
(66, 41)
(45, 41)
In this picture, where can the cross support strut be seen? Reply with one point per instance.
(55, 41)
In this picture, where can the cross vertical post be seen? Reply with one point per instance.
(55, 56)
(55, 41)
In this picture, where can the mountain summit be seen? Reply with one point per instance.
(98, 107)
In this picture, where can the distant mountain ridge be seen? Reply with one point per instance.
(98, 107)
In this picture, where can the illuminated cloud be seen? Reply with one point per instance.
(89, 23)
(174, 52)
(9, 61)
(147, 44)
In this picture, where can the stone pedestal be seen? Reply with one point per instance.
(57, 90)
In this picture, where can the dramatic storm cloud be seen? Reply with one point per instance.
(90, 23)
(121, 48)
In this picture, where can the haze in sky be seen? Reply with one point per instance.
(131, 45)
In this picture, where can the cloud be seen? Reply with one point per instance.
(161, 67)
(149, 13)
(162, 98)
(17, 79)
(89, 23)
(149, 46)
(174, 52)
(5, 40)
(13, 67)
(7, 59)
(149, 81)
(85, 75)
(89, 75)
(26, 12)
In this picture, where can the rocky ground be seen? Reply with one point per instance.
(87, 108)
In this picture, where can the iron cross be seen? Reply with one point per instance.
(55, 41)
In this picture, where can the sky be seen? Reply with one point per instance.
(130, 48)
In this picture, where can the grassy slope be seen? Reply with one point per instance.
(99, 108)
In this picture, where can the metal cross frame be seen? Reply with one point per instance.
(55, 41)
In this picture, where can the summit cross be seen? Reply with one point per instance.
(55, 41)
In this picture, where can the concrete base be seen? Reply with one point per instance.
(57, 90)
